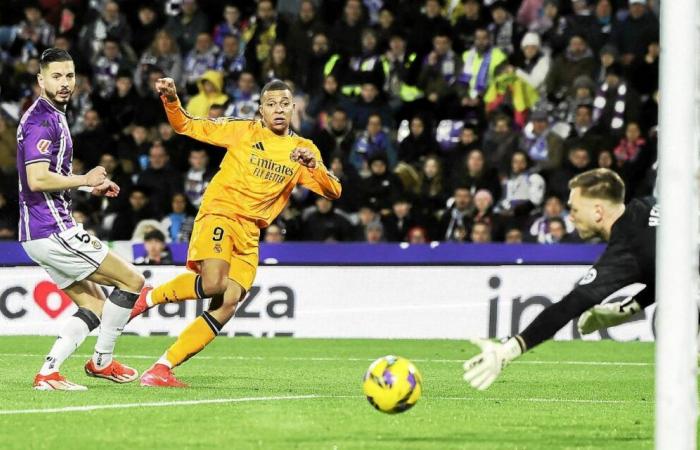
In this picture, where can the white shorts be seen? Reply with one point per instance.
(69, 256)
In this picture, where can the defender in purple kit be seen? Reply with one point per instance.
(76, 261)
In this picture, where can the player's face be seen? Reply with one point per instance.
(276, 109)
(57, 81)
(585, 213)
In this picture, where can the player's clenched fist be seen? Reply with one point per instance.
(166, 87)
(303, 156)
(96, 176)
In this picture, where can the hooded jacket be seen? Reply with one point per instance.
(199, 105)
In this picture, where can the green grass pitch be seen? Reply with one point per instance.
(306, 394)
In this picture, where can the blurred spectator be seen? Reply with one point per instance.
(616, 102)
(186, 26)
(583, 132)
(509, 94)
(523, 190)
(644, 74)
(432, 188)
(365, 215)
(484, 213)
(325, 224)
(350, 200)
(265, 29)
(401, 219)
(178, 145)
(345, 34)
(386, 27)
(576, 61)
(606, 160)
(273, 234)
(198, 176)
(480, 63)
(500, 141)
(8, 145)
(481, 233)
(160, 179)
(633, 156)
(180, 221)
(336, 137)
(278, 65)
(157, 252)
(552, 26)
(110, 23)
(122, 103)
(375, 141)
(9, 218)
(382, 187)
(532, 63)
(133, 149)
(557, 231)
(454, 221)
(417, 235)
(468, 23)
(364, 67)
(125, 222)
(608, 56)
(301, 32)
(374, 233)
(544, 147)
(210, 87)
(504, 30)
(200, 59)
(636, 32)
(539, 228)
(605, 24)
(164, 54)
(418, 144)
(33, 34)
(108, 205)
(92, 141)
(370, 102)
(327, 100)
(401, 70)
(107, 64)
(439, 70)
(513, 236)
(430, 24)
(475, 174)
(578, 161)
(319, 65)
(230, 61)
(232, 25)
(150, 111)
(244, 100)
(148, 25)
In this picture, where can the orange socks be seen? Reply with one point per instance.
(192, 340)
(187, 286)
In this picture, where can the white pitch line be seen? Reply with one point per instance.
(324, 358)
(153, 404)
(85, 408)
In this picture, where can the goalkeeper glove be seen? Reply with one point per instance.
(607, 315)
(484, 368)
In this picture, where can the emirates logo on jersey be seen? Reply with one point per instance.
(43, 146)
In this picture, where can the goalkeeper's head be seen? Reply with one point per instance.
(596, 201)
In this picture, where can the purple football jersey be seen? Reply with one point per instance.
(43, 136)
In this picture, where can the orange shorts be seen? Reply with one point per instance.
(231, 239)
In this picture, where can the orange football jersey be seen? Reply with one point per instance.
(256, 177)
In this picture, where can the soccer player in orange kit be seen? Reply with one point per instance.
(264, 161)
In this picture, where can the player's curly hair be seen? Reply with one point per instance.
(600, 183)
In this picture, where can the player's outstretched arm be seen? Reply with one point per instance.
(41, 179)
(315, 176)
(219, 132)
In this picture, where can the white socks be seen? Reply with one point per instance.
(71, 336)
(115, 315)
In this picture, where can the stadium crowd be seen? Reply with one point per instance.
(449, 120)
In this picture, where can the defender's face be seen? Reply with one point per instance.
(276, 108)
(585, 213)
(57, 80)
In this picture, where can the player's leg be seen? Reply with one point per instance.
(127, 282)
(202, 330)
(89, 298)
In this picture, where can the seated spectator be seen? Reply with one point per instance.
(210, 87)
(576, 61)
(370, 102)
(186, 26)
(440, 70)
(475, 174)
(557, 232)
(373, 142)
(325, 224)
(481, 233)
(157, 253)
(92, 141)
(432, 188)
(523, 190)
(483, 213)
(8, 145)
(110, 23)
(544, 147)
(477, 72)
(278, 65)
(606, 160)
(106, 65)
(401, 219)
(113, 167)
(553, 208)
(244, 100)
(350, 200)
(513, 235)
(374, 233)
(148, 25)
(121, 106)
(583, 130)
(164, 54)
(336, 137)
(578, 161)
(232, 25)
(509, 94)
(180, 221)
(365, 215)
(635, 32)
(133, 148)
(33, 34)
(504, 30)
(634, 155)
(417, 235)
(160, 179)
(199, 175)
(273, 234)
(532, 63)
(500, 141)
(149, 110)
(125, 222)
(382, 187)
(455, 221)
(230, 62)
(616, 102)
(418, 144)
(326, 100)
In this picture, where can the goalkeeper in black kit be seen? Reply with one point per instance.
(597, 208)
